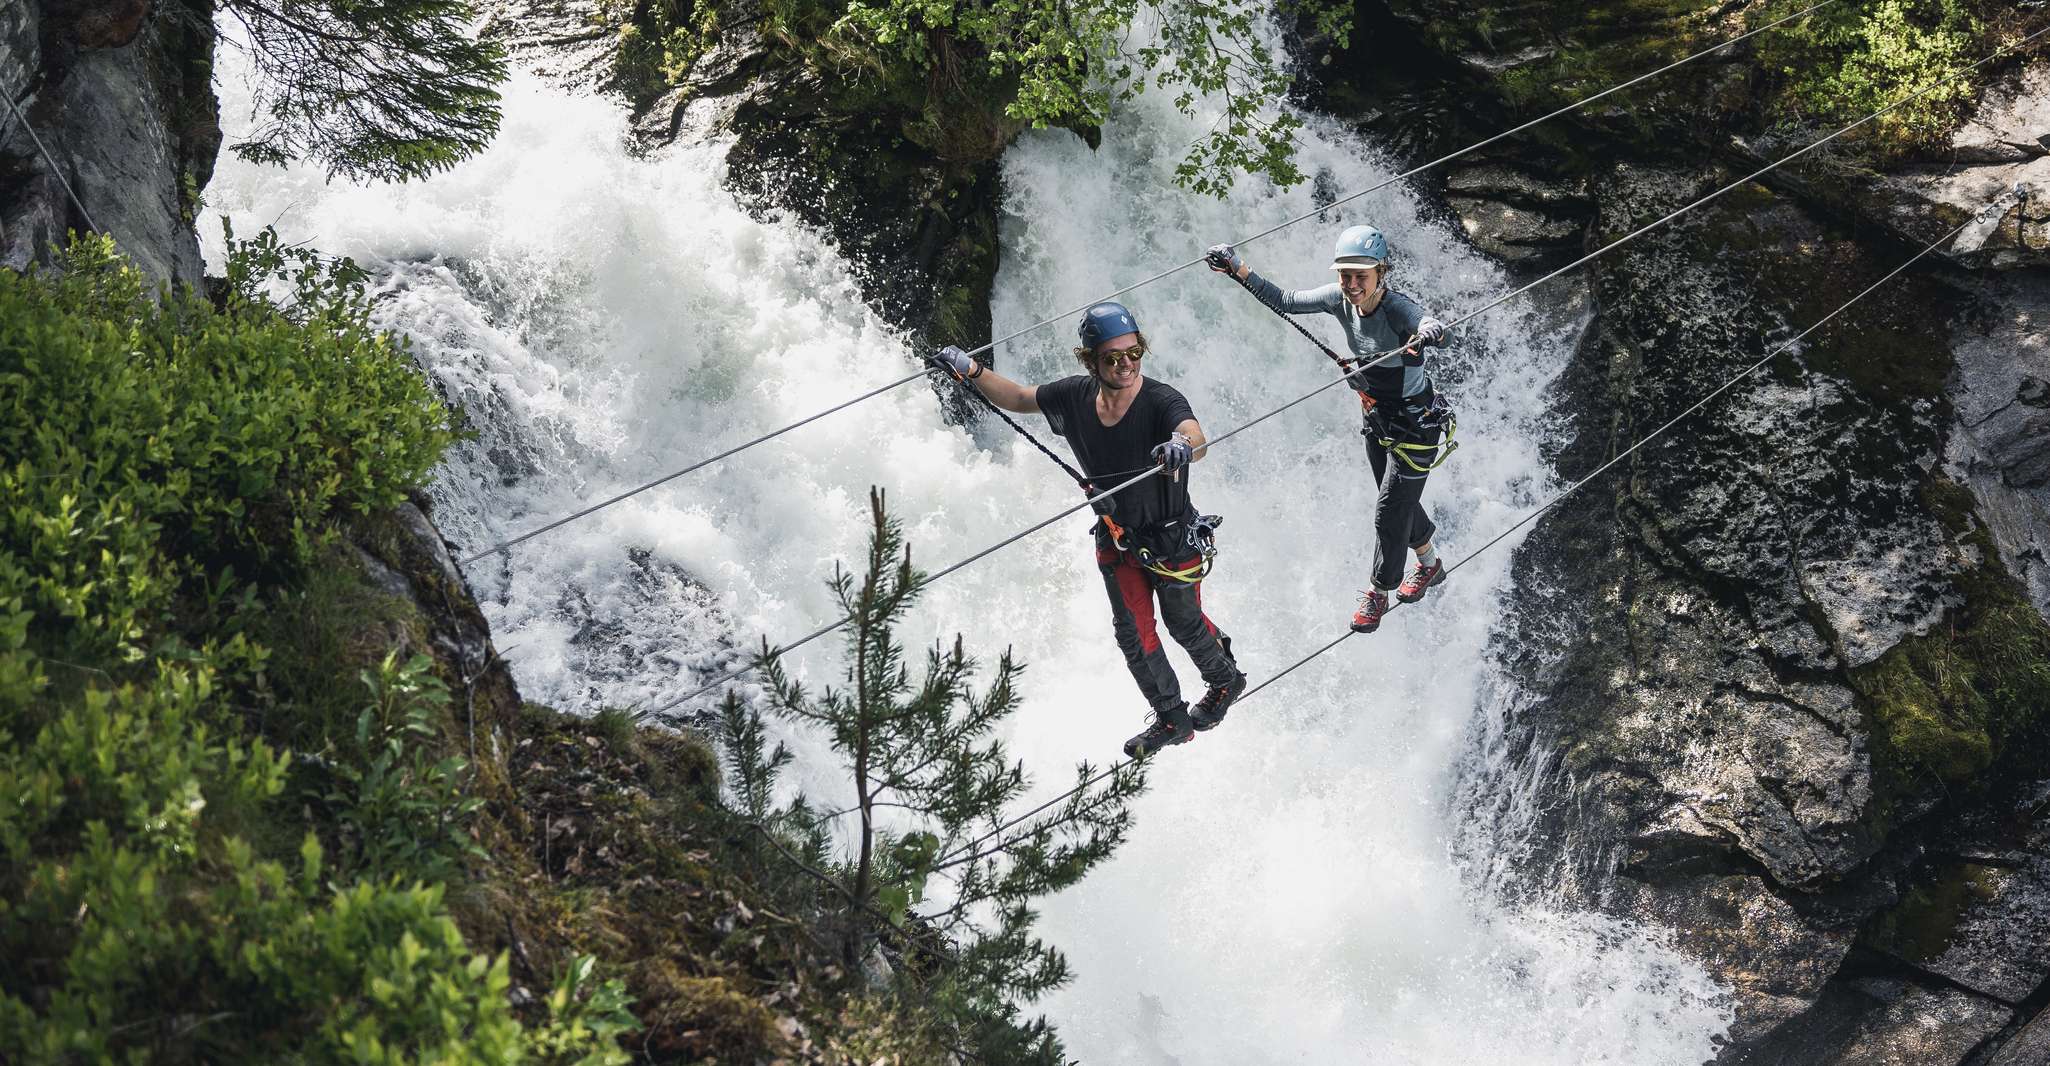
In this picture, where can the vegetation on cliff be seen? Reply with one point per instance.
(256, 804)
(1821, 70)
(1849, 60)
(175, 464)
(967, 76)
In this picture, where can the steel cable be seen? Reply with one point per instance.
(1383, 357)
(1042, 323)
(970, 852)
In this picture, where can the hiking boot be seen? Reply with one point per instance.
(1373, 604)
(1210, 709)
(1170, 726)
(1420, 580)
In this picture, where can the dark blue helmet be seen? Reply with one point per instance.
(1106, 321)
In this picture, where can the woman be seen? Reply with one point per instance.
(1405, 418)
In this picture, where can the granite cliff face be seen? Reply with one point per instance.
(1798, 713)
(119, 92)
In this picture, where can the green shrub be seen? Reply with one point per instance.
(1847, 61)
(162, 448)
(173, 465)
(404, 812)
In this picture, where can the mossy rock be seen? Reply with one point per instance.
(1972, 694)
(706, 1018)
(1919, 928)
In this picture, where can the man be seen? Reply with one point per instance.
(1405, 418)
(1149, 541)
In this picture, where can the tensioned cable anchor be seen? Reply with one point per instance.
(970, 853)
(1015, 334)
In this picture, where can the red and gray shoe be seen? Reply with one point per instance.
(1420, 580)
(1373, 604)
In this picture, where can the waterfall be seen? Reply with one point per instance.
(1290, 891)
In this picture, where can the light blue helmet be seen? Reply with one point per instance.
(1106, 321)
(1358, 248)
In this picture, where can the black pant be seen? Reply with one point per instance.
(1399, 519)
(1133, 590)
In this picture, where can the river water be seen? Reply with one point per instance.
(1291, 891)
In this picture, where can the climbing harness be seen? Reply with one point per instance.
(1435, 415)
(1043, 323)
(1383, 357)
(1200, 538)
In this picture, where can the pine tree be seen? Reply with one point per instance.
(924, 754)
(391, 89)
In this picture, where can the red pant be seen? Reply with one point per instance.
(1134, 590)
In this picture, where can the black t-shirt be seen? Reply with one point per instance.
(1110, 455)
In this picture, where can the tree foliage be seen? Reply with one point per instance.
(928, 776)
(390, 89)
(1845, 62)
(171, 463)
(1069, 62)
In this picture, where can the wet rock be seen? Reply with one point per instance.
(1723, 779)
(1985, 927)
(570, 41)
(1775, 961)
(2028, 1047)
(1920, 1027)
(101, 23)
(1998, 150)
(125, 109)
(404, 555)
(1514, 217)
(2001, 394)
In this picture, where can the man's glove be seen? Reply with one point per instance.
(1101, 502)
(956, 362)
(1173, 453)
(1431, 332)
(1224, 259)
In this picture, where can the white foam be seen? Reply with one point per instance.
(1288, 894)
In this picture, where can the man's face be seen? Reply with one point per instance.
(1117, 361)
(1359, 285)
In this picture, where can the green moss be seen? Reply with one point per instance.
(331, 623)
(1973, 693)
(1920, 926)
(659, 41)
(727, 1024)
